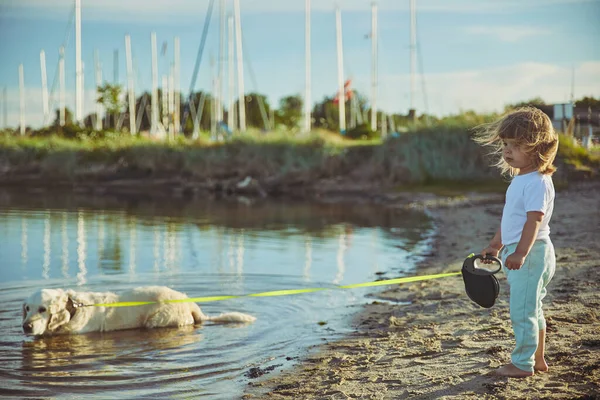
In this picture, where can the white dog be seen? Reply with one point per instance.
(55, 311)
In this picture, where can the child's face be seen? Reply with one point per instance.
(514, 155)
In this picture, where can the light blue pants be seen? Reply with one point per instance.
(527, 289)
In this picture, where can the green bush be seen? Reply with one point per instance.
(362, 132)
(69, 131)
(433, 154)
(572, 153)
(426, 155)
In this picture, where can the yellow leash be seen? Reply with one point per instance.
(278, 292)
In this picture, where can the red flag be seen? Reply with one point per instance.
(347, 92)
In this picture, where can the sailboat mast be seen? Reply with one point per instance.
(307, 51)
(44, 86)
(21, 100)
(230, 74)
(340, 67)
(221, 64)
(154, 124)
(413, 55)
(130, 87)
(240, 65)
(374, 57)
(98, 70)
(176, 83)
(78, 66)
(62, 96)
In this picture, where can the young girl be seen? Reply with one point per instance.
(526, 144)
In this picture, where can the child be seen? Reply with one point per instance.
(526, 144)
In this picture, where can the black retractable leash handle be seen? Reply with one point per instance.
(480, 284)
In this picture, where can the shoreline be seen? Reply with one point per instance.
(421, 196)
(426, 339)
(439, 344)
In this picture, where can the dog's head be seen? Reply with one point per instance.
(47, 310)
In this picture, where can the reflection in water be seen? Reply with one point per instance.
(46, 264)
(374, 251)
(116, 241)
(170, 247)
(132, 223)
(219, 258)
(64, 237)
(235, 251)
(202, 248)
(24, 242)
(112, 242)
(58, 356)
(240, 253)
(81, 249)
(165, 249)
(341, 267)
(156, 248)
(111, 257)
(100, 236)
(307, 257)
(230, 252)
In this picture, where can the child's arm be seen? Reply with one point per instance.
(530, 231)
(495, 245)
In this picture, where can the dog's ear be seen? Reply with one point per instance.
(59, 302)
(24, 311)
(57, 320)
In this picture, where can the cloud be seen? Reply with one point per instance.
(488, 90)
(507, 33)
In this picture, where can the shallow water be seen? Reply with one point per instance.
(202, 248)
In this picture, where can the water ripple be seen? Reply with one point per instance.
(210, 251)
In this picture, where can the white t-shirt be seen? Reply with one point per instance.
(529, 192)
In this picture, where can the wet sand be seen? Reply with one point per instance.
(441, 345)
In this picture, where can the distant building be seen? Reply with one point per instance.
(576, 120)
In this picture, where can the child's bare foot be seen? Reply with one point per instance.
(540, 366)
(510, 371)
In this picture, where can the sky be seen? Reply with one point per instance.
(474, 54)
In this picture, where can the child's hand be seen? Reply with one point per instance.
(514, 261)
(492, 251)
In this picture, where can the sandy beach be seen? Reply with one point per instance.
(441, 345)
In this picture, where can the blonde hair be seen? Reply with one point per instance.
(533, 132)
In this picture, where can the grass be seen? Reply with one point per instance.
(441, 159)
(573, 154)
(249, 154)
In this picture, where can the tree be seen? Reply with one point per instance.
(143, 106)
(109, 96)
(588, 102)
(326, 114)
(204, 119)
(535, 102)
(68, 118)
(89, 121)
(69, 130)
(362, 107)
(258, 110)
(290, 111)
